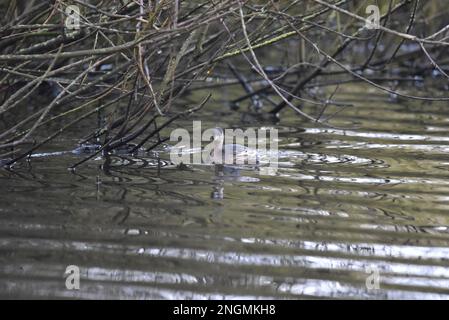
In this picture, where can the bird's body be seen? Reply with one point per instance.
(230, 153)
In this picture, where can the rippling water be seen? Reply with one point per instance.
(343, 203)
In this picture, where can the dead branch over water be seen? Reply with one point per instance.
(129, 61)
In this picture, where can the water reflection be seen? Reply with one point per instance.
(225, 173)
(340, 202)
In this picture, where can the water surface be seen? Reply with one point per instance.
(342, 204)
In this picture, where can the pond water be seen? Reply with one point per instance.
(345, 206)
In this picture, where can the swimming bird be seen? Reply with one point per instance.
(230, 153)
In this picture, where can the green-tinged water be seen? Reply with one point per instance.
(343, 206)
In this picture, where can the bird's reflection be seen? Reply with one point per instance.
(223, 173)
